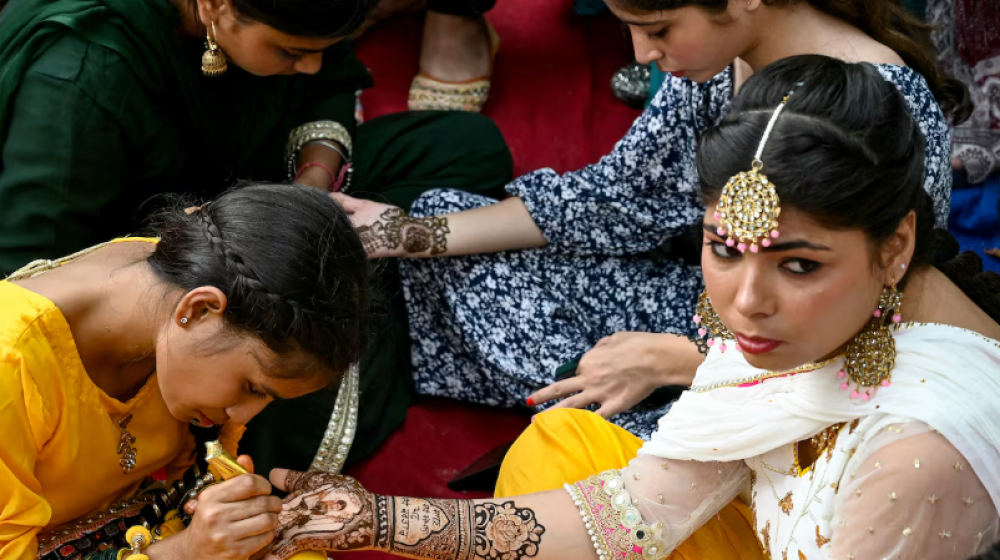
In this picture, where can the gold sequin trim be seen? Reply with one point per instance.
(763, 376)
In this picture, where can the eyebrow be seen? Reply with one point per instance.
(643, 23)
(777, 247)
(303, 50)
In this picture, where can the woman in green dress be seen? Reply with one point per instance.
(106, 103)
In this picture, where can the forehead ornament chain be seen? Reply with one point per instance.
(749, 207)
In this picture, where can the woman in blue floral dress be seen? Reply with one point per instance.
(522, 286)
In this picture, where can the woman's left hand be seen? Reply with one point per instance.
(322, 512)
(622, 370)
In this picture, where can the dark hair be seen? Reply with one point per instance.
(847, 153)
(993, 553)
(886, 21)
(289, 262)
(324, 19)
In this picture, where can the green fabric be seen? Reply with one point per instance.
(399, 157)
(103, 106)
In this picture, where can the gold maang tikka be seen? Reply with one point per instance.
(213, 62)
(749, 207)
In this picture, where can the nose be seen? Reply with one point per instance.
(754, 297)
(245, 411)
(645, 51)
(309, 64)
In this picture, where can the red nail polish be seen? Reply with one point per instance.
(531, 401)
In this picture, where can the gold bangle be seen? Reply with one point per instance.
(310, 132)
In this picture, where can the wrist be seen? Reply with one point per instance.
(169, 548)
(316, 174)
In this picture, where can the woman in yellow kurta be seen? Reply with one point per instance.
(107, 359)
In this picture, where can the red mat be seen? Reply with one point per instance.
(551, 92)
(552, 100)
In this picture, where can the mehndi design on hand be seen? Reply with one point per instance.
(331, 512)
(396, 228)
(324, 512)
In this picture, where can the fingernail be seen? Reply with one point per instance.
(531, 401)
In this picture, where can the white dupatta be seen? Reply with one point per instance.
(946, 377)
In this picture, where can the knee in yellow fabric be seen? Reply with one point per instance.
(564, 445)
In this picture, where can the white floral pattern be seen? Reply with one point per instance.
(492, 329)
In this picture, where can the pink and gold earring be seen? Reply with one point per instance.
(870, 356)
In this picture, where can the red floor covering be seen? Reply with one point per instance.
(552, 100)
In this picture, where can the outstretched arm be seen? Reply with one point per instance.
(326, 512)
(387, 231)
(648, 509)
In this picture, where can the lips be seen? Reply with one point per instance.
(204, 420)
(757, 345)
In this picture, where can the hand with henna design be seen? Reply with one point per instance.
(388, 231)
(334, 513)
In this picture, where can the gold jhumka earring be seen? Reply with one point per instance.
(870, 356)
(710, 324)
(213, 62)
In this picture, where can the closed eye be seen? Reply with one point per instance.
(256, 392)
(658, 34)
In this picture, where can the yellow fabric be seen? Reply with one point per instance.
(568, 445)
(59, 442)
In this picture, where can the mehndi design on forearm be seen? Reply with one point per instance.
(329, 512)
(455, 529)
(396, 228)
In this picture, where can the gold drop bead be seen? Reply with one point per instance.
(907, 532)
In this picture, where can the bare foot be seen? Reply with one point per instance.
(455, 48)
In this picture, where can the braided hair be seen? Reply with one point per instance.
(847, 153)
(290, 264)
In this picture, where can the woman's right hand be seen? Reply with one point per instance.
(233, 521)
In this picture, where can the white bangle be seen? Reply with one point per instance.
(332, 146)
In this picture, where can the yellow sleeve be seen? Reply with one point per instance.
(25, 426)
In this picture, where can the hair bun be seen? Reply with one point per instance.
(943, 248)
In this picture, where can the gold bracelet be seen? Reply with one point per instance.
(332, 131)
(613, 523)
